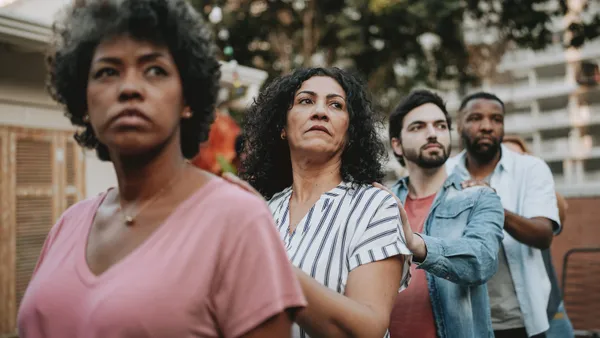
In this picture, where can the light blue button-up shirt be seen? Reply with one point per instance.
(526, 187)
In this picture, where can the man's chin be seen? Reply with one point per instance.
(432, 163)
(485, 153)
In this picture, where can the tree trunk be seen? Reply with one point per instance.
(308, 33)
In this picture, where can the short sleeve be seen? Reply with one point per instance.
(540, 196)
(379, 235)
(76, 211)
(48, 243)
(256, 280)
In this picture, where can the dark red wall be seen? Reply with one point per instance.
(581, 229)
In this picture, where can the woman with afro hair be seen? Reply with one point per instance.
(313, 152)
(173, 251)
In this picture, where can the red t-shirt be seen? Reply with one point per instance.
(412, 316)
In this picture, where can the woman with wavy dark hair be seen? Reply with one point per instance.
(173, 251)
(314, 152)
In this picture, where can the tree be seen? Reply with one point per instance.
(394, 44)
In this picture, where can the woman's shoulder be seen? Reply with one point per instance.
(235, 199)
(72, 218)
(372, 193)
(279, 195)
(83, 207)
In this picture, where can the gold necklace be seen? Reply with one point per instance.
(130, 219)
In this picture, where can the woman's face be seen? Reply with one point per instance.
(317, 123)
(134, 96)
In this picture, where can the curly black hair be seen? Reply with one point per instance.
(267, 166)
(171, 23)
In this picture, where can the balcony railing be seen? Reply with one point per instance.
(545, 87)
(557, 118)
(592, 176)
(587, 146)
(523, 59)
(519, 123)
(559, 146)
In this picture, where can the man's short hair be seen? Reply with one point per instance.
(480, 95)
(415, 99)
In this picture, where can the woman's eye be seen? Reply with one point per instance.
(156, 71)
(104, 72)
(337, 105)
(305, 101)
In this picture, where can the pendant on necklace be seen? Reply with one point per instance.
(129, 220)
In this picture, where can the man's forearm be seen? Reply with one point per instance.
(535, 232)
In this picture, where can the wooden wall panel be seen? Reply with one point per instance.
(42, 173)
(6, 238)
(37, 200)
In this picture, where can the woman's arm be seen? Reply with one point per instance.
(562, 209)
(279, 326)
(363, 311)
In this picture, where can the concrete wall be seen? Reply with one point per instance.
(99, 175)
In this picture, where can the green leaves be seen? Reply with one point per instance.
(379, 37)
(225, 165)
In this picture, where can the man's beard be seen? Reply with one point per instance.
(483, 153)
(428, 162)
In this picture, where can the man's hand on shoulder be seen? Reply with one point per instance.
(414, 242)
(473, 183)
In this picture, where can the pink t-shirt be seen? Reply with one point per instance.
(215, 268)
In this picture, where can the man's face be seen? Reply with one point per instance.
(481, 128)
(425, 137)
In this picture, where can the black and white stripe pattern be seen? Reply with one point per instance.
(347, 227)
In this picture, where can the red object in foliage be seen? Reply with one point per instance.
(220, 144)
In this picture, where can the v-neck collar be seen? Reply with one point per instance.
(83, 269)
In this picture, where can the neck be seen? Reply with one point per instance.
(425, 182)
(140, 177)
(311, 180)
(480, 169)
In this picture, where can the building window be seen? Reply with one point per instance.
(588, 74)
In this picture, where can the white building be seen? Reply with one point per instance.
(42, 170)
(552, 102)
(558, 117)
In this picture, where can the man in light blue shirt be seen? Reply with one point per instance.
(520, 290)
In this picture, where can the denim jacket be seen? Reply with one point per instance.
(462, 232)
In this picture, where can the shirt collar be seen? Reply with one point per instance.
(507, 159)
(454, 179)
(340, 189)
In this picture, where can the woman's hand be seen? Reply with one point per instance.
(414, 242)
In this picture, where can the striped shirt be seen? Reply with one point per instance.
(347, 227)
